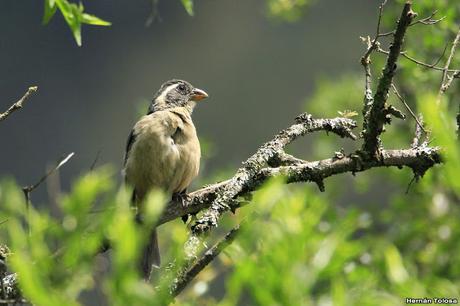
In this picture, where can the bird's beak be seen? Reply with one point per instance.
(198, 95)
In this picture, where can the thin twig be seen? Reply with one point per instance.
(447, 80)
(59, 164)
(19, 104)
(191, 272)
(425, 21)
(96, 159)
(395, 90)
(418, 62)
(373, 45)
(428, 20)
(154, 13)
(28, 189)
(431, 66)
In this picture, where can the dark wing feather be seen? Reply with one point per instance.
(129, 144)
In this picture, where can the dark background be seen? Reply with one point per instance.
(257, 71)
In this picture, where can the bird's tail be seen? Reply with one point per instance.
(150, 255)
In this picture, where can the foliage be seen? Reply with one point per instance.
(287, 10)
(73, 14)
(188, 5)
(56, 256)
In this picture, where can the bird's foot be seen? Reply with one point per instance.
(182, 197)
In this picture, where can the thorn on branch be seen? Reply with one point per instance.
(393, 111)
(284, 159)
(414, 179)
(426, 160)
(320, 183)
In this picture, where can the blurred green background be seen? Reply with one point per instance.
(364, 241)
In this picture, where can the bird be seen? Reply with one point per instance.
(163, 152)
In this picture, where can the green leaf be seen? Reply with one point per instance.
(188, 5)
(396, 271)
(93, 20)
(72, 15)
(50, 10)
(75, 26)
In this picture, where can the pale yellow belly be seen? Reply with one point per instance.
(157, 161)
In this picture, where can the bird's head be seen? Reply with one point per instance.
(176, 93)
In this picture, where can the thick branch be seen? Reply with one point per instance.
(18, 104)
(375, 118)
(418, 159)
(10, 293)
(270, 150)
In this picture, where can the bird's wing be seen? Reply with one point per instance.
(129, 144)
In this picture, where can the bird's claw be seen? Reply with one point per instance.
(181, 197)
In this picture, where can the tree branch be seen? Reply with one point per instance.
(376, 116)
(419, 159)
(304, 124)
(419, 124)
(18, 104)
(28, 189)
(10, 290)
(192, 271)
(446, 79)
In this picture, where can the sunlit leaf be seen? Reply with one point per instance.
(74, 16)
(188, 5)
(50, 10)
(396, 271)
(93, 20)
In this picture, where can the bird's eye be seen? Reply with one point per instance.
(181, 87)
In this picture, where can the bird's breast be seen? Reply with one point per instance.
(165, 155)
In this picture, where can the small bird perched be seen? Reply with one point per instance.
(163, 152)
